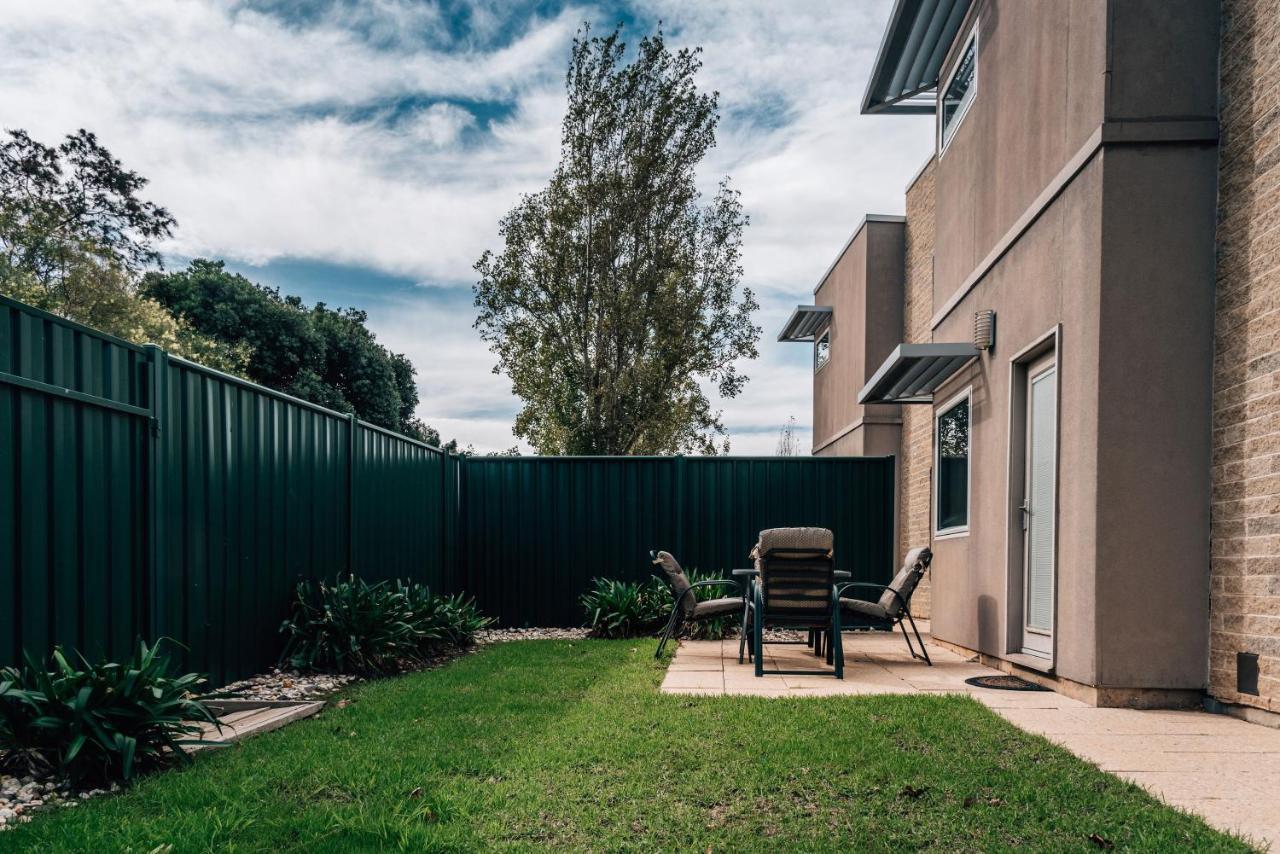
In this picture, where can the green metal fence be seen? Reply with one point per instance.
(144, 495)
(538, 529)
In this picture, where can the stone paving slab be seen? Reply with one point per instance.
(1223, 769)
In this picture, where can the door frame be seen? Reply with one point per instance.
(1015, 488)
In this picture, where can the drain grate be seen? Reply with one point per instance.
(1004, 682)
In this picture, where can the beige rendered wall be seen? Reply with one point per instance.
(1246, 367)
(864, 289)
(1077, 196)
(915, 459)
(1049, 277)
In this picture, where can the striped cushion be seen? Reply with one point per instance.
(679, 582)
(917, 561)
(794, 543)
(795, 589)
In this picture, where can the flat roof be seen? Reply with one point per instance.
(805, 322)
(911, 53)
(913, 372)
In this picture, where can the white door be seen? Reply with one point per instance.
(1039, 510)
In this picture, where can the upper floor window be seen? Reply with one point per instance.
(821, 350)
(958, 92)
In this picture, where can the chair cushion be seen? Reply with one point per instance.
(859, 608)
(913, 568)
(717, 607)
(794, 543)
(679, 582)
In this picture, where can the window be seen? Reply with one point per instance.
(951, 467)
(821, 350)
(956, 96)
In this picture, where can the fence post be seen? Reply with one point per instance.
(679, 506)
(353, 427)
(157, 375)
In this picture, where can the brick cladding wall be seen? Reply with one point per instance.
(917, 420)
(1245, 596)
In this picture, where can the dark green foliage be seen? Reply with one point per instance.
(319, 354)
(625, 609)
(443, 621)
(614, 300)
(95, 723)
(352, 626)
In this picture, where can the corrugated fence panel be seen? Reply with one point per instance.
(253, 500)
(73, 441)
(402, 524)
(538, 529)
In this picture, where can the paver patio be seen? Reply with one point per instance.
(1190, 759)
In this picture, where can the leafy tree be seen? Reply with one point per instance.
(60, 207)
(327, 356)
(615, 295)
(74, 235)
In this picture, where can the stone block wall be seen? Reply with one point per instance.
(1245, 563)
(917, 421)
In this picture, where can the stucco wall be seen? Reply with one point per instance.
(915, 459)
(1245, 609)
(864, 289)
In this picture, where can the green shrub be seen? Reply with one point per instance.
(97, 722)
(443, 621)
(352, 626)
(625, 609)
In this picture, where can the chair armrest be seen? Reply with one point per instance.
(840, 588)
(842, 573)
(711, 582)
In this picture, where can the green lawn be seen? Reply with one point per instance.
(543, 743)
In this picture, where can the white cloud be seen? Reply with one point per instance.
(370, 135)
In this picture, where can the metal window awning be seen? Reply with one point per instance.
(915, 43)
(805, 322)
(913, 372)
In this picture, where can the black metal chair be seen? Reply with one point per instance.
(685, 607)
(893, 608)
(795, 589)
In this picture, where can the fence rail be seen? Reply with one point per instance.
(145, 495)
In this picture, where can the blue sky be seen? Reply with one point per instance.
(362, 153)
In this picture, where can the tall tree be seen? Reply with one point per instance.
(616, 294)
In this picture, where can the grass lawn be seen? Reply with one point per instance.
(544, 743)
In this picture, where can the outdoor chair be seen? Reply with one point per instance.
(894, 605)
(794, 588)
(685, 607)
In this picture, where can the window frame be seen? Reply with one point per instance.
(965, 395)
(944, 139)
(825, 334)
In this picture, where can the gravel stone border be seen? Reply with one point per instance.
(22, 796)
(285, 685)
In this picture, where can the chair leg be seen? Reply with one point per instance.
(742, 634)
(923, 652)
(666, 634)
(813, 633)
(758, 634)
(831, 647)
(838, 643)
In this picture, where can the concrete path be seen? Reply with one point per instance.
(1223, 769)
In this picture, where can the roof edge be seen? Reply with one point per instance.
(862, 223)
